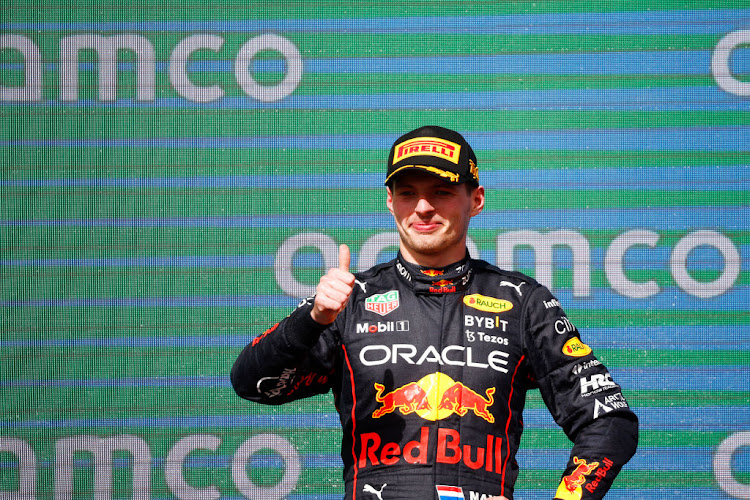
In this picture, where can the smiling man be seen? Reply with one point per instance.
(432, 217)
(431, 355)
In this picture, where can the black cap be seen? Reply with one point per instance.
(439, 151)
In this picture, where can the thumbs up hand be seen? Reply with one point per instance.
(333, 290)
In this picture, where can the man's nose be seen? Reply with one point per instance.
(424, 206)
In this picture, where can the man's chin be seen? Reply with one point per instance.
(427, 246)
(429, 251)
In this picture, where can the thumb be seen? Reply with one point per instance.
(345, 258)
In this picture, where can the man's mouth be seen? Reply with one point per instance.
(425, 227)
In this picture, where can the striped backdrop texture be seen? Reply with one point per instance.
(163, 204)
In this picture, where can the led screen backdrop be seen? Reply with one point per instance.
(176, 175)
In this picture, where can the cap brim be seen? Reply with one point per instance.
(445, 175)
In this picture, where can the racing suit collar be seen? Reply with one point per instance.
(435, 280)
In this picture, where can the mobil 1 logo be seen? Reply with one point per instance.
(383, 327)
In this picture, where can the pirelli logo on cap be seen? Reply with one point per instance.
(429, 146)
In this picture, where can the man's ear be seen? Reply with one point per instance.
(477, 199)
(389, 199)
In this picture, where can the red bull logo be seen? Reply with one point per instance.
(460, 399)
(448, 448)
(431, 272)
(442, 283)
(442, 286)
(408, 399)
(600, 474)
(434, 397)
(571, 485)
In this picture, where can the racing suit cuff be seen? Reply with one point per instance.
(303, 331)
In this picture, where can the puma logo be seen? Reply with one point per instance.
(362, 285)
(378, 493)
(517, 287)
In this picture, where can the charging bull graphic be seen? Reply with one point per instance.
(460, 399)
(408, 399)
(434, 397)
(570, 486)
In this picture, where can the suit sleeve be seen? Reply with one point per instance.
(582, 397)
(293, 359)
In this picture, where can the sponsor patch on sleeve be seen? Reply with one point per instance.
(575, 348)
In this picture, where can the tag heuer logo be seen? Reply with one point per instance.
(382, 303)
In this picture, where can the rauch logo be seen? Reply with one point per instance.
(487, 304)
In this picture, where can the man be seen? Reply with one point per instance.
(430, 356)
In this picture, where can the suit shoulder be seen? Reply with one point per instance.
(375, 271)
(377, 278)
(514, 277)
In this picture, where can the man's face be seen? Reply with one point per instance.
(432, 217)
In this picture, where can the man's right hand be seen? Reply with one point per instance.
(333, 290)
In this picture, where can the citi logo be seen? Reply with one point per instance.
(383, 327)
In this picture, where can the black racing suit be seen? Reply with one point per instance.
(429, 369)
